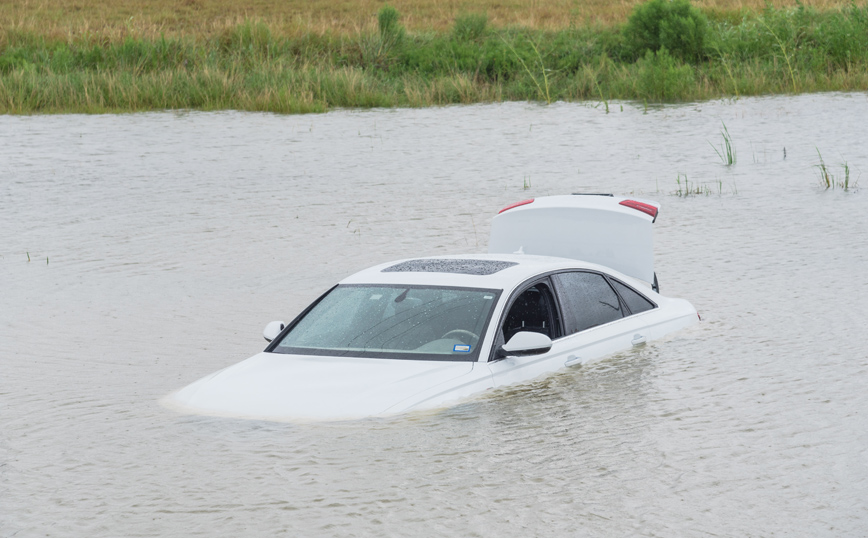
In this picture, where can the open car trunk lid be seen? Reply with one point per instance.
(603, 229)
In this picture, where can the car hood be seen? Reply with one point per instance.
(275, 386)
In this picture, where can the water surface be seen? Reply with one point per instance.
(160, 245)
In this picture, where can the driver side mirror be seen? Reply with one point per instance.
(272, 330)
(526, 343)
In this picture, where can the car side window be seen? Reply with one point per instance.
(534, 310)
(587, 300)
(635, 301)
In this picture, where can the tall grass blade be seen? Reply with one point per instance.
(827, 180)
(783, 50)
(544, 94)
(727, 149)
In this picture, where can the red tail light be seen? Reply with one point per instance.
(644, 208)
(523, 202)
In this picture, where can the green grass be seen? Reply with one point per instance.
(828, 180)
(249, 67)
(727, 149)
(688, 188)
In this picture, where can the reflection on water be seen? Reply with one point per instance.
(161, 244)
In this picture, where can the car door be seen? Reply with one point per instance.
(598, 319)
(534, 308)
(591, 320)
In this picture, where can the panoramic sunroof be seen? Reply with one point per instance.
(463, 267)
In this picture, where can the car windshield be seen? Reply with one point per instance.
(385, 321)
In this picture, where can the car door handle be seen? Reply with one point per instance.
(572, 359)
(638, 339)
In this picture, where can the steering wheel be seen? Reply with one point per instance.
(461, 332)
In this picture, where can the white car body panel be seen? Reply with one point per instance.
(595, 229)
(594, 343)
(287, 387)
(273, 386)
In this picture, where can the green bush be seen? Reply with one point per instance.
(379, 50)
(470, 27)
(673, 24)
(662, 78)
(391, 30)
(842, 38)
(14, 60)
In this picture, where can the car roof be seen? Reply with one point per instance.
(490, 271)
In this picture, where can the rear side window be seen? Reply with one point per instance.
(587, 300)
(635, 302)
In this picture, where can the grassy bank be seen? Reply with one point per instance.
(655, 55)
(118, 19)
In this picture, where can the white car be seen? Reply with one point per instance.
(567, 279)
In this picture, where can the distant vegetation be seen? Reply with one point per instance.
(661, 51)
(110, 20)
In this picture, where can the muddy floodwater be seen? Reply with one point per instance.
(141, 252)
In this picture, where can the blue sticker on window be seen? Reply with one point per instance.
(461, 348)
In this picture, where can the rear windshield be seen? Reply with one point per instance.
(400, 322)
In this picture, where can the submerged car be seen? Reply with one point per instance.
(567, 279)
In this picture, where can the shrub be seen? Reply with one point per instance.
(390, 29)
(663, 78)
(14, 60)
(842, 38)
(470, 27)
(379, 50)
(673, 24)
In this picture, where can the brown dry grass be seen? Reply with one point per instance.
(115, 19)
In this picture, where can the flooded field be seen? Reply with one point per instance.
(141, 252)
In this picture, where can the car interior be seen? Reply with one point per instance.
(532, 311)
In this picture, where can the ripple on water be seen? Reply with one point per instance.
(172, 239)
